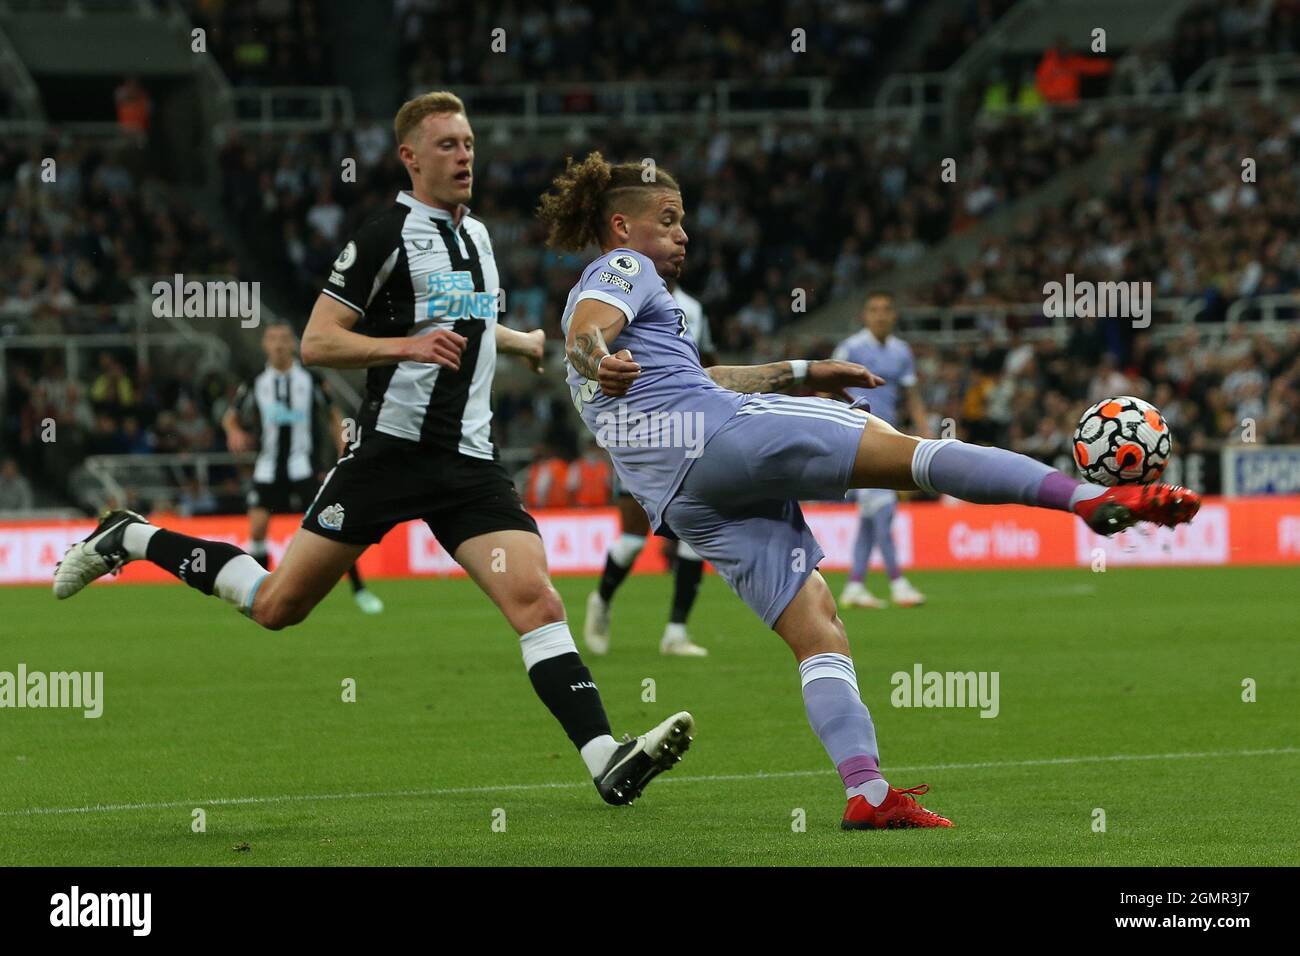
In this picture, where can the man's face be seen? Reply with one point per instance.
(878, 316)
(439, 155)
(656, 231)
(278, 344)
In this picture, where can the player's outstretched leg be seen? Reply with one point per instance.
(366, 599)
(689, 570)
(310, 568)
(887, 458)
(510, 567)
(840, 719)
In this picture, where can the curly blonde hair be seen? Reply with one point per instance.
(577, 207)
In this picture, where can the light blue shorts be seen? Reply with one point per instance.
(738, 505)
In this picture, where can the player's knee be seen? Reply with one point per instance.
(829, 633)
(278, 611)
(536, 605)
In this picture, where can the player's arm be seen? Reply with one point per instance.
(238, 439)
(823, 375)
(593, 324)
(528, 345)
(330, 342)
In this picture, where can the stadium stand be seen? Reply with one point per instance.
(824, 205)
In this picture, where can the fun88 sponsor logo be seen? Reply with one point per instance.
(452, 296)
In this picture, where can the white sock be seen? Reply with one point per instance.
(136, 539)
(238, 581)
(874, 790)
(596, 753)
(626, 548)
(257, 547)
(545, 642)
(674, 633)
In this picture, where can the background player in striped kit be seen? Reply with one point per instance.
(413, 299)
(688, 567)
(876, 347)
(283, 404)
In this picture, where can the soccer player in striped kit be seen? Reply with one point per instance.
(283, 404)
(734, 492)
(413, 299)
(888, 356)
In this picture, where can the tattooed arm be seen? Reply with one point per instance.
(822, 376)
(595, 323)
(772, 377)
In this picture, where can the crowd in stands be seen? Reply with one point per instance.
(55, 419)
(562, 41)
(768, 211)
(79, 222)
(1204, 209)
(266, 42)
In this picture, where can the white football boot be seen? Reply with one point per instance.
(904, 595)
(101, 552)
(595, 629)
(639, 760)
(677, 643)
(368, 601)
(855, 594)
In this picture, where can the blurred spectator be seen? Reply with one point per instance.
(547, 481)
(15, 490)
(590, 478)
(134, 109)
(1061, 70)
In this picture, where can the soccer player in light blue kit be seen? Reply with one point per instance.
(888, 356)
(719, 460)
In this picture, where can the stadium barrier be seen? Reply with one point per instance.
(1263, 530)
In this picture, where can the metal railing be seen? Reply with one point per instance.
(104, 479)
(289, 109)
(77, 8)
(657, 104)
(1269, 312)
(18, 80)
(1170, 318)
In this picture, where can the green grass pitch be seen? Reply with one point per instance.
(1120, 691)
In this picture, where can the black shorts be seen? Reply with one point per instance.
(283, 497)
(390, 480)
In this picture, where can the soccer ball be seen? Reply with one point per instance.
(1122, 441)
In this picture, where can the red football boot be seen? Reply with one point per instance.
(899, 810)
(1126, 505)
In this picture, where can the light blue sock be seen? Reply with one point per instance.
(862, 546)
(884, 522)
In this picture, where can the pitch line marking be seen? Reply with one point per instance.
(518, 787)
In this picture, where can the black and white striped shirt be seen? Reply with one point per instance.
(408, 271)
(284, 408)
